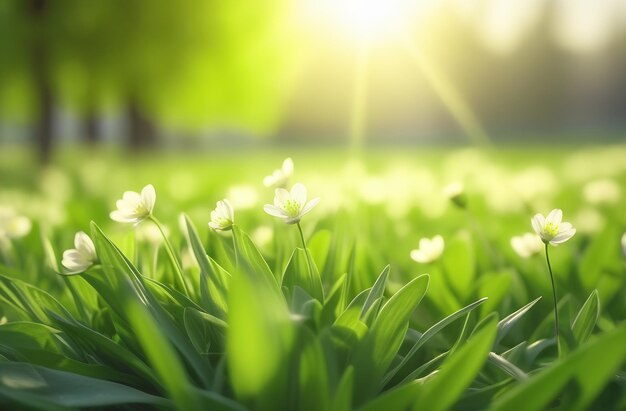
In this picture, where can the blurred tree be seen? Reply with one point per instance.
(16, 100)
(40, 37)
(185, 65)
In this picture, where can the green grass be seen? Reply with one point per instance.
(362, 328)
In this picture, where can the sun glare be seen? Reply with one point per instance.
(370, 20)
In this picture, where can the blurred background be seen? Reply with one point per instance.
(146, 73)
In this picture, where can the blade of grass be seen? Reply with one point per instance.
(457, 372)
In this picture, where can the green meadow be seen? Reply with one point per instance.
(168, 313)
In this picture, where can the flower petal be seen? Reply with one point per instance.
(228, 209)
(288, 166)
(555, 216)
(84, 244)
(563, 237)
(424, 244)
(418, 256)
(293, 220)
(538, 222)
(71, 254)
(19, 226)
(131, 197)
(298, 194)
(309, 206)
(280, 197)
(121, 217)
(274, 211)
(269, 181)
(437, 243)
(565, 226)
(72, 265)
(148, 197)
(519, 246)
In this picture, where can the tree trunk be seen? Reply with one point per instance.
(92, 135)
(43, 89)
(142, 132)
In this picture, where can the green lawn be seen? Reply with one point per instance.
(247, 319)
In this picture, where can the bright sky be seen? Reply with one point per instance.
(580, 25)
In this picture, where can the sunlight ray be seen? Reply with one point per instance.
(359, 99)
(451, 97)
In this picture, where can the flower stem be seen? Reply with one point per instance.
(306, 251)
(172, 256)
(556, 310)
(235, 247)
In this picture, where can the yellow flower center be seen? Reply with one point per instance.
(292, 208)
(551, 229)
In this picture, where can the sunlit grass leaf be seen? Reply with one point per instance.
(507, 323)
(334, 303)
(430, 333)
(161, 356)
(170, 298)
(249, 255)
(460, 264)
(545, 326)
(375, 295)
(586, 319)
(120, 284)
(31, 302)
(534, 350)
(400, 398)
(314, 388)
(105, 350)
(590, 366)
(204, 330)
(374, 354)
(297, 274)
(479, 398)
(350, 317)
(506, 366)
(458, 371)
(428, 367)
(322, 250)
(64, 389)
(212, 401)
(259, 342)
(342, 399)
(46, 346)
(213, 279)
(28, 335)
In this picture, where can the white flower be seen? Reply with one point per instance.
(291, 206)
(526, 245)
(589, 220)
(551, 229)
(280, 177)
(79, 259)
(455, 192)
(624, 245)
(263, 236)
(135, 207)
(13, 225)
(429, 249)
(223, 217)
(604, 191)
(243, 196)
